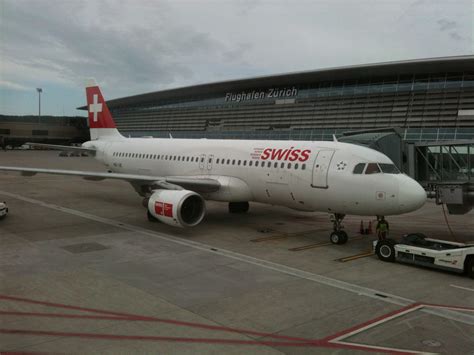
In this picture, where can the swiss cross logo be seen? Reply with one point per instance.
(95, 107)
(164, 209)
(168, 210)
(159, 208)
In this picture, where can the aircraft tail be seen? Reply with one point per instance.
(101, 123)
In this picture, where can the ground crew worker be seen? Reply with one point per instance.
(382, 228)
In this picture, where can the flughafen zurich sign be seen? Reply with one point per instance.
(262, 94)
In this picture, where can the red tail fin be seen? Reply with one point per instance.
(101, 123)
(99, 114)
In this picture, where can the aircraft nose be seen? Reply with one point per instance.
(411, 195)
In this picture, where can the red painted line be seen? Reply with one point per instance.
(314, 344)
(157, 338)
(65, 315)
(132, 317)
(193, 340)
(369, 322)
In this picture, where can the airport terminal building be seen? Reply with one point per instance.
(428, 99)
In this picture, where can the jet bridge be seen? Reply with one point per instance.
(446, 170)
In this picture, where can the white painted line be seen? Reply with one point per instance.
(342, 285)
(381, 321)
(463, 288)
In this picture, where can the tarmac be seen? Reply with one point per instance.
(83, 271)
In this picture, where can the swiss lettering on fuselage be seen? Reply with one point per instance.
(285, 154)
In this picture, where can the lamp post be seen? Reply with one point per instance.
(40, 90)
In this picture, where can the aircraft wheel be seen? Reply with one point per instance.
(385, 250)
(343, 237)
(470, 266)
(337, 238)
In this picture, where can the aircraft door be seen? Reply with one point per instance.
(202, 161)
(321, 168)
(210, 158)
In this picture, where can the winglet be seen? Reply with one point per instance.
(334, 138)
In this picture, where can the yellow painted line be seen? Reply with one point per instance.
(320, 244)
(310, 246)
(355, 257)
(275, 237)
(283, 236)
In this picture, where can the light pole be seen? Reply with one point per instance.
(40, 90)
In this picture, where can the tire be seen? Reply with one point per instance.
(385, 250)
(343, 237)
(337, 238)
(470, 266)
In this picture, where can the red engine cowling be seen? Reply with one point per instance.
(181, 208)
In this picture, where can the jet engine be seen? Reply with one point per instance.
(181, 208)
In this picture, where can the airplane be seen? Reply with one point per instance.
(176, 176)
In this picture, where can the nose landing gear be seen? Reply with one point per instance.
(338, 236)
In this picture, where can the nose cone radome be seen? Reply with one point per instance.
(411, 195)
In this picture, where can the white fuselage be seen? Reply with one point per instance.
(309, 176)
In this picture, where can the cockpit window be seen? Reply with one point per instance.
(372, 168)
(359, 168)
(389, 168)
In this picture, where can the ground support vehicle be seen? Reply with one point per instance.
(417, 249)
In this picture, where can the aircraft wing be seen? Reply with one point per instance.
(168, 183)
(62, 147)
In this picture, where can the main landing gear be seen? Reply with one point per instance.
(338, 236)
(238, 207)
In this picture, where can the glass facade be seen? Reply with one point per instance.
(427, 107)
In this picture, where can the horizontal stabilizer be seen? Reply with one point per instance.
(61, 147)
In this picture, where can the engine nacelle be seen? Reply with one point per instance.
(181, 208)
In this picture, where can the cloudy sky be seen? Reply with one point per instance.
(138, 46)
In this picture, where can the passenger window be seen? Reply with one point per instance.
(233, 162)
(359, 168)
(187, 158)
(269, 164)
(303, 167)
(245, 162)
(202, 160)
(282, 165)
(372, 168)
(296, 166)
(289, 165)
(217, 161)
(275, 165)
(238, 163)
(250, 163)
(256, 163)
(228, 161)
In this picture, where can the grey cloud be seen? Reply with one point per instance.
(456, 36)
(74, 47)
(445, 24)
(451, 27)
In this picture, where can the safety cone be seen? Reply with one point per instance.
(370, 227)
(361, 227)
